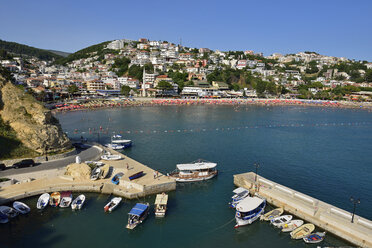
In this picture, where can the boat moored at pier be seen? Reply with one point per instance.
(55, 198)
(161, 204)
(43, 201)
(249, 210)
(118, 140)
(21, 207)
(199, 170)
(240, 194)
(137, 215)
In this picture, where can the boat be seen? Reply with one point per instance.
(112, 204)
(315, 237)
(111, 157)
(277, 221)
(290, 226)
(116, 178)
(161, 201)
(115, 146)
(118, 139)
(78, 202)
(8, 211)
(272, 214)
(136, 175)
(137, 215)
(240, 194)
(55, 198)
(3, 218)
(66, 199)
(195, 171)
(96, 163)
(302, 231)
(43, 201)
(96, 172)
(105, 170)
(248, 210)
(21, 207)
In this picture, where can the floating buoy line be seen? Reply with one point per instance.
(102, 130)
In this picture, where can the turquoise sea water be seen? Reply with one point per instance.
(322, 152)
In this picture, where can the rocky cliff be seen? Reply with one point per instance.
(35, 126)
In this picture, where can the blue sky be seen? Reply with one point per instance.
(338, 28)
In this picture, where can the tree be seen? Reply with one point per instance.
(368, 76)
(72, 89)
(164, 85)
(125, 90)
(260, 87)
(271, 88)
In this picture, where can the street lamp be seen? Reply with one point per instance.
(256, 165)
(355, 201)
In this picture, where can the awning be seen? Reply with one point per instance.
(196, 166)
(138, 209)
(161, 199)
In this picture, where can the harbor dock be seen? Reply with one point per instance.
(321, 214)
(48, 181)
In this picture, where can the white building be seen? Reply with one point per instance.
(116, 44)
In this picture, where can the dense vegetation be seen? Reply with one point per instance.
(20, 49)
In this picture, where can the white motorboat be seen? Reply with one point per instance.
(240, 194)
(78, 202)
(96, 172)
(248, 210)
(96, 163)
(161, 204)
(66, 199)
(111, 157)
(21, 207)
(195, 171)
(43, 201)
(3, 218)
(290, 226)
(112, 204)
(115, 146)
(283, 219)
(118, 139)
(8, 211)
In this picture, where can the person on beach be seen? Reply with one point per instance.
(154, 174)
(127, 166)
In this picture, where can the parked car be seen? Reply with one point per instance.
(2, 166)
(24, 163)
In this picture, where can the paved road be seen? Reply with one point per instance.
(91, 153)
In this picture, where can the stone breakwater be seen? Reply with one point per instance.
(323, 215)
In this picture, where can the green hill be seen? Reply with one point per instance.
(20, 49)
(63, 54)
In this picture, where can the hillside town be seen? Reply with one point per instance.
(147, 68)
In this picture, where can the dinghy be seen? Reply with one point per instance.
(302, 231)
(137, 215)
(290, 226)
(43, 201)
(240, 194)
(8, 211)
(281, 220)
(55, 198)
(116, 178)
(272, 214)
(96, 172)
(315, 237)
(112, 204)
(78, 202)
(66, 199)
(136, 175)
(3, 218)
(21, 207)
(111, 157)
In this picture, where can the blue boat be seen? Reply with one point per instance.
(240, 194)
(248, 210)
(137, 215)
(136, 175)
(116, 178)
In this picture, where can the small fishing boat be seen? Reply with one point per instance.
(118, 139)
(8, 211)
(115, 146)
(78, 202)
(112, 204)
(290, 226)
(43, 201)
(116, 178)
(137, 215)
(195, 171)
(240, 194)
(105, 170)
(66, 199)
(315, 237)
(21, 207)
(3, 218)
(136, 175)
(161, 204)
(248, 210)
(272, 214)
(277, 221)
(97, 163)
(302, 231)
(55, 198)
(111, 157)
(96, 172)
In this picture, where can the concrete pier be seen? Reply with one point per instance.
(321, 214)
(55, 180)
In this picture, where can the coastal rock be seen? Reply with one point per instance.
(35, 126)
(78, 171)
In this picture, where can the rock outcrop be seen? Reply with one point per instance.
(35, 125)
